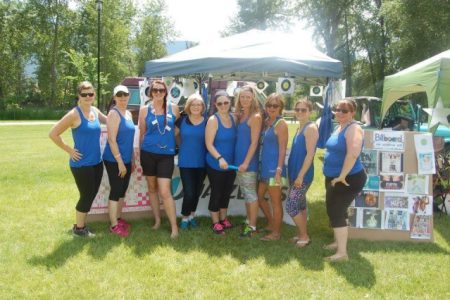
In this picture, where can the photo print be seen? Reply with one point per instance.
(367, 199)
(372, 218)
(369, 159)
(421, 205)
(395, 200)
(417, 184)
(391, 162)
(421, 227)
(392, 182)
(396, 219)
(353, 217)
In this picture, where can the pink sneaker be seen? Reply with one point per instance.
(124, 224)
(119, 230)
(218, 228)
(226, 224)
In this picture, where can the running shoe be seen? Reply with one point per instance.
(184, 224)
(218, 228)
(193, 223)
(123, 223)
(226, 224)
(119, 230)
(82, 232)
(248, 232)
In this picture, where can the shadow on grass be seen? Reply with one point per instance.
(143, 241)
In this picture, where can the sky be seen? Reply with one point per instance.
(202, 20)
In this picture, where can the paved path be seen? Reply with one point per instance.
(26, 123)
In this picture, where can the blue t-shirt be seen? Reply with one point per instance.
(297, 157)
(336, 150)
(159, 138)
(86, 139)
(224, 142)
(124, 138)
(192, 150)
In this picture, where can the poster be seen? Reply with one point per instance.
(421, 227)
(425, 153)
(396, 200)
(367, 199)
(372, 218)
(421, 205)
(392, 182)
(369, 159)
(389, 140)
(397, 219)
(391, 162)
(372, 183)
(417, 184)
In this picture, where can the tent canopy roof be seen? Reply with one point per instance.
(431, 76)
(251, 55)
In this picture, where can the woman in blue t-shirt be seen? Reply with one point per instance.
(301, 169)
(118, 156)
(157, 139)
(191, 157)
(344, 174)
(85, 156)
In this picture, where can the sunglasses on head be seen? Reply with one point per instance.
(272, 105)
(121, 94)
(303, 110)
(339, 110)
(224, 103)
(155, 90)
(87, 94)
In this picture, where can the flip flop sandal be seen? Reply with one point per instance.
(294, 239)
(302, 243)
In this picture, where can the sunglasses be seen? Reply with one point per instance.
(121, 94)
(224, 103)
(272, 105)
(303, 110)
(344, 111)
(158, 90)
(87, 94)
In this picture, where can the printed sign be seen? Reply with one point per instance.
(389, 140)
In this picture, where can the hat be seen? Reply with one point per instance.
(120, 88)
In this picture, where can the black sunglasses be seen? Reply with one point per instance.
(87, 94)
(121, 94)
(272, 105)
(303, 110)
(338, 110)
(224, 103)
(154, 90)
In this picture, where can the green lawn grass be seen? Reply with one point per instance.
(39, 259)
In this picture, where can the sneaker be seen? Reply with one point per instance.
(123, 223)
(119, 230)
(248, 232)
(193, 223)
(226, 224)
(218, 228)
(184, 224)
(83, 232)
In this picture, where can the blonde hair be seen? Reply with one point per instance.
(190, 100)
(85, 85)
(254, 108)
(276, 98)
(305, 101)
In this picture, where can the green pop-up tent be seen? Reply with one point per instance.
(431, 76)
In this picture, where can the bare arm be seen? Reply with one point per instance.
(282, 134)
(71, 119)
(353, 140)
(142, 123)
(101, 116)
(210, 134)
(255, 130)
(311, 138)
(112, 123)
(176, 111)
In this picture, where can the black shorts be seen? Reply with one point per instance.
(159, 165)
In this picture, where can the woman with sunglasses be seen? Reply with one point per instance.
(85, 156)
(157, 138)
(117, 157)
(191, 157)
(272, 170)
(220, 138)
(301, 170)
(344, 174)
(249, 123)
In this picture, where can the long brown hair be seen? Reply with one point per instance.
(157, 81)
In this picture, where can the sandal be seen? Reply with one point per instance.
(334, 258)
(302, 243)
(294, 239)
(330, 247)
(270, 238)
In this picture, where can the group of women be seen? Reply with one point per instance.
(249, 143)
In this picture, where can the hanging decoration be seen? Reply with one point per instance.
(285, 85)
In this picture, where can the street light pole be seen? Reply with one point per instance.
(99, 4)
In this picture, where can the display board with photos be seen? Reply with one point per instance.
(396, 202)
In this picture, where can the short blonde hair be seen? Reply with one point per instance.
(278, 98)
(190, 100)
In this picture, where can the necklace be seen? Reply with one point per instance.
(157, 122)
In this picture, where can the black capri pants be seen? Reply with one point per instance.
(118, 184)
(339, 197)
(221, 183)
(88, 181)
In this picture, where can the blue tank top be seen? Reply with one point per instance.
(297, 157)
(269, 153)
(336, 149)
(124, 138)
(243, 141)
(224, 142)
(192, 150)
(159, 138)
(86, 139)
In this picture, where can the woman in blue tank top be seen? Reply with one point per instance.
(344, 174)
(157, 140)
(301, 170)
(272, 170)
(220, 138)
(118, 156)
(85, 157)
(249, 121)
(191, 157)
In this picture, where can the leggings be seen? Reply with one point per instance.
(339, 197)
(88, 181)
(221, 183)
(118, 184)
(192, 180)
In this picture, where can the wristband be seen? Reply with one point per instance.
(219, 157)
(116, 156)
(279, 169)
